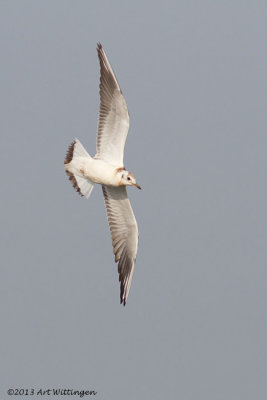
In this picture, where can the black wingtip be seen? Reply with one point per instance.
(123, 299)
(123, 302)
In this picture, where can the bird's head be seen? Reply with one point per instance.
(127, 178)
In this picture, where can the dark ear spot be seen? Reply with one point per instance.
(120, 169)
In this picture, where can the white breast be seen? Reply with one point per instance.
(99, 171)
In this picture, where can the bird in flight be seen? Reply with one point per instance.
(107, 169)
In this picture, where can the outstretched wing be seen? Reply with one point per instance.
(124, 233)
(113, 120)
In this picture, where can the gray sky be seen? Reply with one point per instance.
(195, 323)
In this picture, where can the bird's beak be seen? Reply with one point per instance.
(135, 184)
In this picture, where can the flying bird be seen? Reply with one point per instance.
(107, 168)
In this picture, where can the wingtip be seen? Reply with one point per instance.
(100, 51)
(99, 46)
(123, 302)
(123, 296)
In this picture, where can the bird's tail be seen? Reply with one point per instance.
(75, 154)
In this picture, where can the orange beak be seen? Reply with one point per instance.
(138, 187)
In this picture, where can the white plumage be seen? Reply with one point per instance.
(107, 169)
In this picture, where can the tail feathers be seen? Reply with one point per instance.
(83, 186)
(73, 180)
(75, 149)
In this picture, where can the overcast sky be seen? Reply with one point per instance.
(195, 323)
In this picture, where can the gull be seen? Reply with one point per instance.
(107, 168)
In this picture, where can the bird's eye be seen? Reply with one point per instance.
(128, 178)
